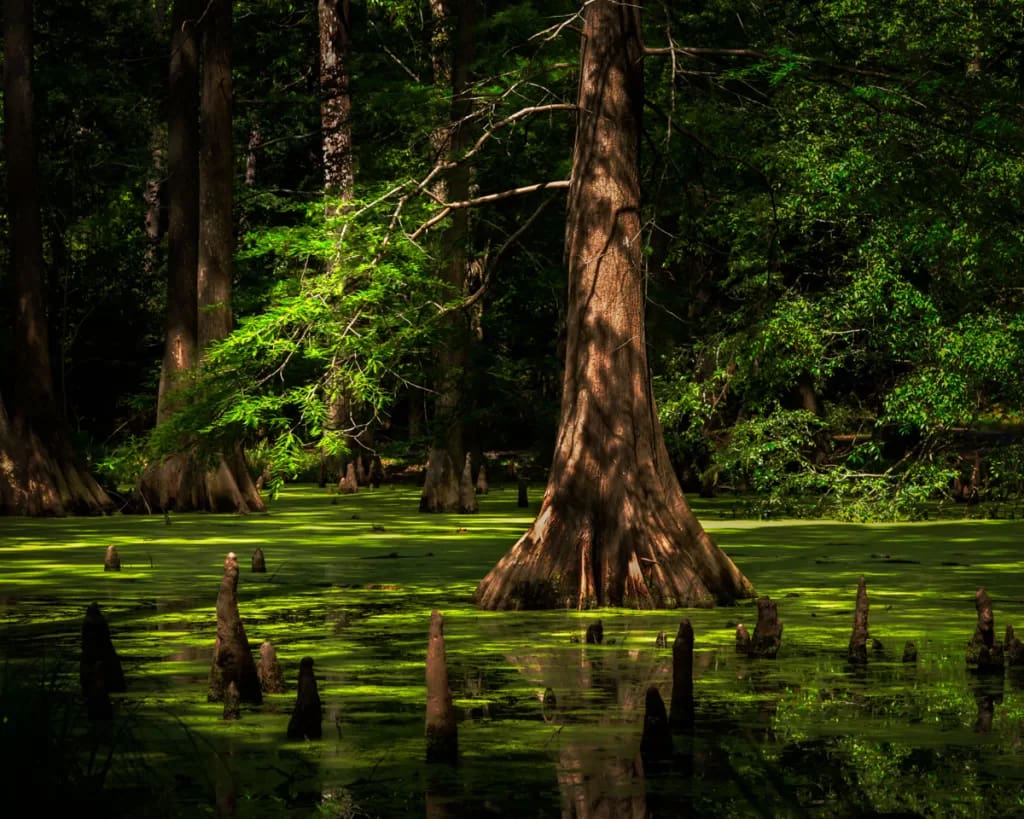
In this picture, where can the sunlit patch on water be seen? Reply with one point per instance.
(805, 734)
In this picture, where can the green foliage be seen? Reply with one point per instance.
(347, 318)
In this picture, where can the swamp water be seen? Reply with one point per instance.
(351, 582)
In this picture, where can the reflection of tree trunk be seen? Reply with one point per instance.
(597, 783)
(447, 451)
(614, 528)
(39, 473)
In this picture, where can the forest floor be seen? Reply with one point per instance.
(351, 581)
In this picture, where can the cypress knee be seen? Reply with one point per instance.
(269, 670)
(858, 650)
(442, 732)
(232, 658)
(681, 715)
(984, 652)
(307, 717)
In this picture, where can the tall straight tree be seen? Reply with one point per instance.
(39, 474)
(183, 205)
(335, 26)
(452, 63)
(614, 528)
(200, 253)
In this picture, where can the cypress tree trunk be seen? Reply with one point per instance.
(447, 451)
(614, 528)
(200, 247)
(39, 473)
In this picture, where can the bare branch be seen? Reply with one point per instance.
(479, 293)
(482, 200)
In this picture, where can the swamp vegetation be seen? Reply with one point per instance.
(548, 725)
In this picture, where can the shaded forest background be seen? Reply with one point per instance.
(832, 238)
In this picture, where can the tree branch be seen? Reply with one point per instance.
(482, 200)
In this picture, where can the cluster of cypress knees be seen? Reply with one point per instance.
(236, 678)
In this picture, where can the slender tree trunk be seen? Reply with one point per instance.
(339, 190)
(447, 452)
(39, 474)
(614, 528)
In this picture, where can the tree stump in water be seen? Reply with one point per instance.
(910, 652)
(858, 650)
(656, 742)
(1013, 648)
(595, 633)
(767, 633)
(269, 670)
(441, 729)
(348, 483)
(984, 652)
(482, 487)
(259, 562)
(100, 673)
(112, 560)
(681, 713)
(661, 641)
(307, 717)
(232, 658)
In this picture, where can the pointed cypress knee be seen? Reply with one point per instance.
(232, 702)
(442, 732)
(269, 670)
(376, 472)
(468, 503)
(348, 484)
(767, 636)
(1013, 648)
(259, 562)
(595, 633)
(232, 658)
(482, 487)
(858, 650)
(307, 717)
(681, 714)
(910, 652)
(112, 560)
(984, 651)
(656, 742)
(100, 673)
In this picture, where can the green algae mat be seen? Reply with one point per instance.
(351, 581)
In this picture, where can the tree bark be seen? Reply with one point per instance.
(200, 243)
(181, 338)
(335, 23)
(39, 473)
(614, 528)
(447, 451)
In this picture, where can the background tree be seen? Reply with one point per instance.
(452, 51)
(40, 474)
(614, 528)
